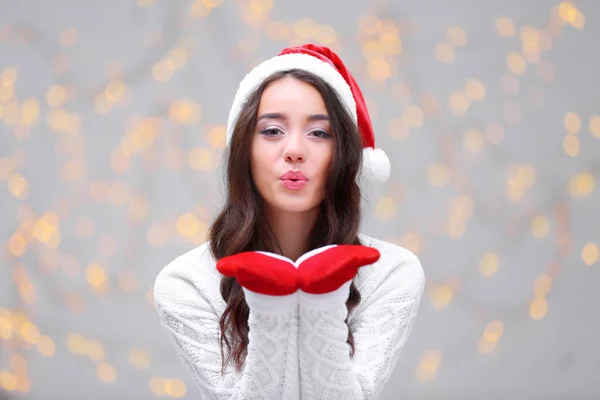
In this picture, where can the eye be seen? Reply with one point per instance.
(322, 134)
(270, 132)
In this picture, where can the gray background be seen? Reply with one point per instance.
(493, 192)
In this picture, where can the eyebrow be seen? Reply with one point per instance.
(312, 117)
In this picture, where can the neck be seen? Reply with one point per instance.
(292, 230)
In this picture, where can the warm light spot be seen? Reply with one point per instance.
(76, 303)
(30, 110)
(474, 140)
(107, 245)
(6, 326)
(200, 158)
(8, 77)
(398, 129)
(27, 292)
(95, 274)
(278, 31)
(185, 112)
(538, 308)
(18, 363)
(101, 104)
(139, 358)
(486, 346)
(413, 116)
(459, 104)
(178, 58)
(493, 331)
(489, 264)
(571, 145)
(119, 193)
(305, 28)
(175, 388)
(18, 186)
(150, 297)
(188, 225)
(474, 90)
(94, 350)
(46, 346)
(540, 226)
(8, 381)
(589, 254)
(106, 372)
(444, 52)
(115, 90)
(542, 285)
(438, 175)
(391, 44)
(456, 35)
(145, 3)
(428, 365)
(572, 122)
(441, 296)
(505, 27)
(516, 63)
(386, 208)
(30, 333)
(411, 241)
(17, 245)
(582, 184)
(76, 343)
(595, 125)
(216, 136)
(162, 70)
(68, 37)
(138, 207)
(570, 14)
(369, 24)
(379, 69)
(157, 386)
(128, 282)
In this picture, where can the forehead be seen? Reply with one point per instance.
(293, 96)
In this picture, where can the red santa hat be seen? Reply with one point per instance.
(325, 64)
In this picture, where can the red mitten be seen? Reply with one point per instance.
(330, 269)
(260, 273)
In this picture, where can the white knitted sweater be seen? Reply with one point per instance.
(297, 345)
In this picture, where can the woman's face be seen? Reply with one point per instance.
(293, 133)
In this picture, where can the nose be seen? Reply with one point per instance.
(295, 150)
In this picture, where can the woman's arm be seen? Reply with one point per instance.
(271, 367)
(381, 327)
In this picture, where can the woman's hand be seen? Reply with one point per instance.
(329, 270)
(260, 273)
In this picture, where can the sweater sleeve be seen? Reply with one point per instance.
(380, 328)
(271, 367)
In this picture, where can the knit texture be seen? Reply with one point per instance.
(300, 352)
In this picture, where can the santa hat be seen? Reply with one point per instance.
(325, 64)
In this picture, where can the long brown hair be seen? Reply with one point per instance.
(241, 226)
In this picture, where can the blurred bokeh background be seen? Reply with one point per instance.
(112, 124)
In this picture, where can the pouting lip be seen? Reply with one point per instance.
(294, 175)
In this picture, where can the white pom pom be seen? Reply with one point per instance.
(376, 165)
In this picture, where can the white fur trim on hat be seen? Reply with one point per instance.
(376, 165)
(286, 62)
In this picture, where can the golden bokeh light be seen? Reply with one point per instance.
(379, 69)
(572, 122)
(413, 116)
(106, 372)
(95, 274)
(429, 364)
(489, 264)
(582, 184)
(139, 358)
(456, 35)
(505, 27)
(175, 387)
(128, 281)
(516, 63)
(494, 132)
(594, 125)
(571, 145)
(398, 129)
(444, 52)
(474, 90)
(438, 174)
(441, 296)
(538, 308)
(589, 254)
(386, 208)
(540, 226)
(474, 140)
(542, 285)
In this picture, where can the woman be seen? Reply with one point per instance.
(274, 306)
